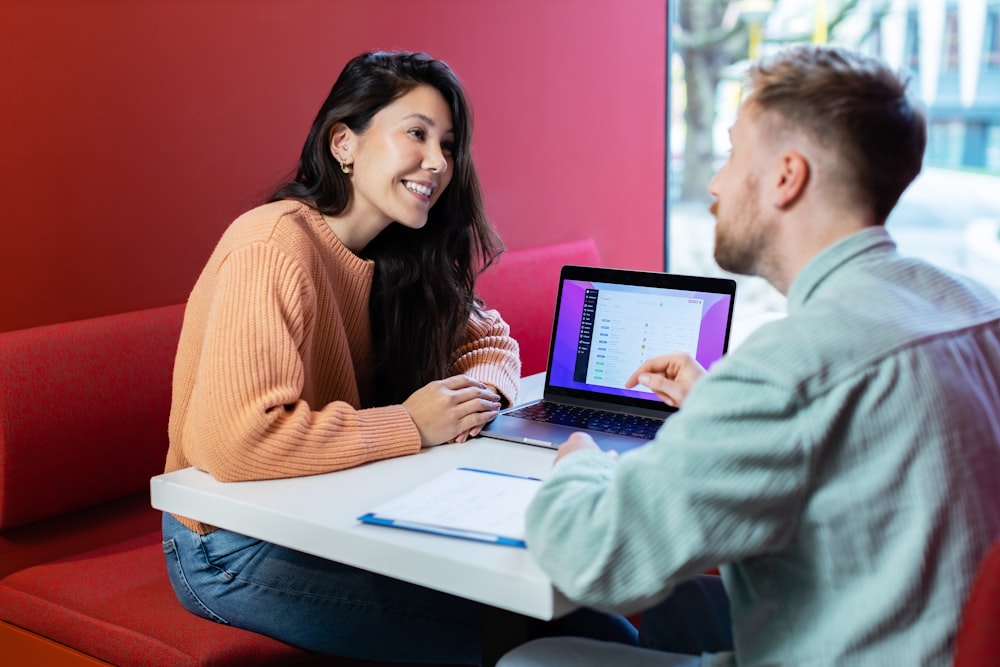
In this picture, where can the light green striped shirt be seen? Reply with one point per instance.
(842, 467)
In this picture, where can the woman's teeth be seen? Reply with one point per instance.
(419, 189)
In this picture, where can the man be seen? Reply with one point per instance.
(841, 466)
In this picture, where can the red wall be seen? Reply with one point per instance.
(134, 132)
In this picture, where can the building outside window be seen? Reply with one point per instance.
(991, 49)
(951, 50)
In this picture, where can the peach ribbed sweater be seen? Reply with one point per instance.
(272, 372)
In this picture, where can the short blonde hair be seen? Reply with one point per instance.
(853, 104)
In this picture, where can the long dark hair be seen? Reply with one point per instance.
(424, 285)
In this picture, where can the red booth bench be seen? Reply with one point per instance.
(83, 426)
(83, 417)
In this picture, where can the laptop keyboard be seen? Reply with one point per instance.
(590, 418)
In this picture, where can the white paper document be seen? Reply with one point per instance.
(466, 502)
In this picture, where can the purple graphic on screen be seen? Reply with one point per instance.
(711, 338)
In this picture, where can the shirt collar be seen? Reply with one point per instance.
(867, 243)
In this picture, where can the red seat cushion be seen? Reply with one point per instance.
(117, 605)
(978, 640)
(76, 532)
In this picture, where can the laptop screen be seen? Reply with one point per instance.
(609, 321)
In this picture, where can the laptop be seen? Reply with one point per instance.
(607, 323)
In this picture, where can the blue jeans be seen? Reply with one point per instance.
(693, 620)
(332, 608)
(682, 631)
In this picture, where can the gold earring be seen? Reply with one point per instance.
(344, 167)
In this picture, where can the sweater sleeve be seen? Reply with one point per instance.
(490, 355)
(247, 418)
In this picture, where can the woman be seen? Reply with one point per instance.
(337, 325)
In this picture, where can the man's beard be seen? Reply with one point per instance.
(740, 243)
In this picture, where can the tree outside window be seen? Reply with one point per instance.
(950, 215)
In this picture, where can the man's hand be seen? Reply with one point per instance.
(452, 409)
(577, 442)
(670, 376)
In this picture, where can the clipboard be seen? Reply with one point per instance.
(467, 503)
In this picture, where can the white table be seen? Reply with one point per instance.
(318, 515)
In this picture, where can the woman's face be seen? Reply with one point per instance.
(402, 162)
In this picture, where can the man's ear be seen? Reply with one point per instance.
(793, 176)
(342, 143)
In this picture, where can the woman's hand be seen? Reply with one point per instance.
(451, 410)
(670, 376)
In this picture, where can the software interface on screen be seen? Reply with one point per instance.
(605, 331)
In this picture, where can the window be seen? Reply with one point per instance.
(993, 147)
(991, 39)
(958, 191)
(912, 37)
(949, 59)
(944, 142)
